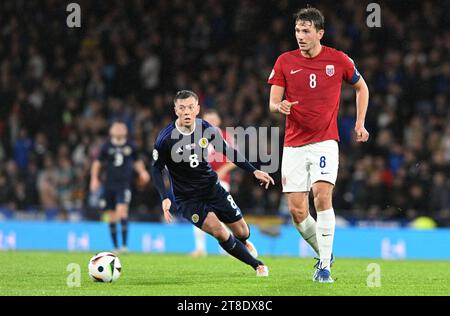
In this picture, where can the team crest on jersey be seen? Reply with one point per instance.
(203, 142)
(329, 70)
(127, 150)
(195, 218)
(155, 154)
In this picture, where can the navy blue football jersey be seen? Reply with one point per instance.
(185, 156)
(118, 164)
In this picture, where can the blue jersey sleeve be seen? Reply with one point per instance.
(103, 154)
(134, 152)
(158, 165)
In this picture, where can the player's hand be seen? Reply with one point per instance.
(144, 178)
(264, 178)
(284, 107)
(362, 135)
(166, 209)
(94, 185)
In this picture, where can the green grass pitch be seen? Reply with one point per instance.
(44, 273)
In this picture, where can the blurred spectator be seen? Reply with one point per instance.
(47, 184)
(22, 150)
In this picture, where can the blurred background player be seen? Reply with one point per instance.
(182, 147)
(119, 158)
(306, 87)
(222, 166)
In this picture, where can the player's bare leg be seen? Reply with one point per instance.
(241, 231)
(122, 214)
(298, 205)
(232, 245)
(112, 219)
(323, 192)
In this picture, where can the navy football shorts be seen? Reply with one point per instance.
(113, 196)
(218, 200)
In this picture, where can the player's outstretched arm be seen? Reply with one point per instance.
(158, 181)
(264, 177)
(239, 160)
(166, 209)
(231, 153)
(362, 102)
(144, 177)
(95, 171)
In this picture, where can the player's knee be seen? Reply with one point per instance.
(298, 214)
(220, 234)
(111, 217)
(216, 230)
(242, 233)
(322, 200)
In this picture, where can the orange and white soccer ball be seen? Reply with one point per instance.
(104, 267)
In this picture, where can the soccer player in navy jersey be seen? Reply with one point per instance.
(118, 157)
(182, 147)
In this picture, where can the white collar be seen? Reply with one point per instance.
(185, 134)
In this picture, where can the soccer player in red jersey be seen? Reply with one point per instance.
(306, 88)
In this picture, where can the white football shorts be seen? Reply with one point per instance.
(302, 166)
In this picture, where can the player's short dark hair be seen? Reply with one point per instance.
(184, 94)
(312, 15)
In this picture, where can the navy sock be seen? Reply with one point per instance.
(237, 249)
(113, 231)
(124, 225)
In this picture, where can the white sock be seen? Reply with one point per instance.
(200, 239)
(326, 221)
(307, 229)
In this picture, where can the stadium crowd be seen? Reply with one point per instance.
(60, 88)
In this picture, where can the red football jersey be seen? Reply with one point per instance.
(217, 159)
(316, 84)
